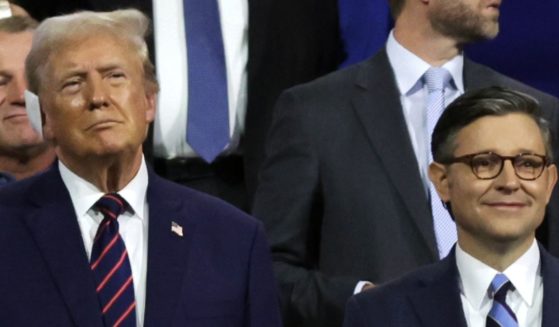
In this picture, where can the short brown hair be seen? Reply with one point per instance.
(396, 7)
(475, 104)
(17, 24)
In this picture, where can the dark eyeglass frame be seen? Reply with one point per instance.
(468, 159)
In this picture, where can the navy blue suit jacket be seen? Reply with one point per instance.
(429, 297)
(218, 274)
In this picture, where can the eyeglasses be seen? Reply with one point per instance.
(488, 165)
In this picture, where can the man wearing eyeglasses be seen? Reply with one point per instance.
(493, 170)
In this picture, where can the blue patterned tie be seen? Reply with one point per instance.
(111, 267)
(500, 314)
(208, 111)
(436, 78)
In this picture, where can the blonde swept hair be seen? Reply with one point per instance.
(129, 25)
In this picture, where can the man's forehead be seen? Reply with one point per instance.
(91, 42)
(504, 123)
(9, 41)
(69, 62)
(25, 35)
(14, 47)
(95, 51)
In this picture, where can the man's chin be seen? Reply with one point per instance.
(22, 141)
(479, 36)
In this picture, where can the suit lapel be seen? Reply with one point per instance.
(437, 299)
(168, 252)
(550, 274)
(377, 103)
(477, 76)
(54, 227)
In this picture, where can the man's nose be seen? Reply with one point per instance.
(15, 90)
(507, 180)
(97, 93)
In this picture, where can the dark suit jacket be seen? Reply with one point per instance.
(430, 297)
(218, 274)
(290, 42)
(340, 192)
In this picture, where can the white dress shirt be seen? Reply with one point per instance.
(171, 62)
(133, 227)
(409, 69)
(526, 300)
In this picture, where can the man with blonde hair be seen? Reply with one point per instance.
(254, 49)
(23, 152)
(100, 239)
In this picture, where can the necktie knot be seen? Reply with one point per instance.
(499, 287)
(436, 78)
(111, 205)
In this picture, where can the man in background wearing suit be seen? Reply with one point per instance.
(100, 240)
(269, 45)
(23, 152)
(344, 193)
(493, 168)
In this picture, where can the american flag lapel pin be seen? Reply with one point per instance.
(176, 228)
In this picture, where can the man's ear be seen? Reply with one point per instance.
(439, 178)
(47, 127)
(151, 98)
(551, 180)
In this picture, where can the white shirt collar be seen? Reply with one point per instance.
(476, 276)
(84, 194)
(409, 68)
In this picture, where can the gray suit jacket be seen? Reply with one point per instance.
(340, 192)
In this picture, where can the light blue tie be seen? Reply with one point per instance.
(208, 110)
(500, 315)
(436, 79)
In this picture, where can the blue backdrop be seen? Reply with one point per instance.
(527, 47)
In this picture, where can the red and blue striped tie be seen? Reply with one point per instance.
(111, 267)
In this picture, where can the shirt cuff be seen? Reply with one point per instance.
(359, 287)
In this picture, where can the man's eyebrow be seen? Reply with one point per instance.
(526, 150)
(4, 72)
(74, 69)
(109, 67)
(70, 71)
